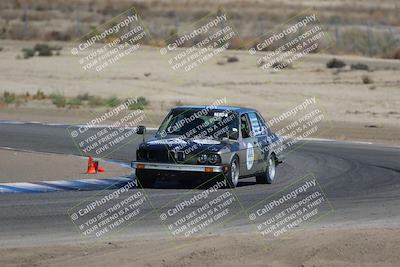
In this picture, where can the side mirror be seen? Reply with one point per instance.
(234, 134)
(141, 129)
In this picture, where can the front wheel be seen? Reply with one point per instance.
(234, 172)
(269, 175)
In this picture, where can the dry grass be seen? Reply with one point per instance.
(396, 54)
(69, 20)
(61, 101)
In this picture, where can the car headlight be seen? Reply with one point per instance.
(213, 159)
(202, 159)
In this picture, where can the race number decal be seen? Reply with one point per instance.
(249, 156)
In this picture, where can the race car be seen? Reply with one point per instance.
(209, 142)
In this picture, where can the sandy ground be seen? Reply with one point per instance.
(17, 166)
(324, 247)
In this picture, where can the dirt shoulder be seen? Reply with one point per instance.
(18, 166)
(333, 247)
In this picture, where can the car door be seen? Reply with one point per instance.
(248, 147)
(272, 141)
(265, 138)
(259, 136)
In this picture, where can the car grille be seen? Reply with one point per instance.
(154, 155)
(161, 156)
(157, 156)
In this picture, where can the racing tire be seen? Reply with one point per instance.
(232, 177)
(268, 176)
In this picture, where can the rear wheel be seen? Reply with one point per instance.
(269, 175)
(232, 176)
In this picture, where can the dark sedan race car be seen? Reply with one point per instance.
(209, 143)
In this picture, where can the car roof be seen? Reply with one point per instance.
(239, 110)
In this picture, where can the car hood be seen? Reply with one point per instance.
(179, 144)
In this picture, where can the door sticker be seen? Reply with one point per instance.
(249, 156)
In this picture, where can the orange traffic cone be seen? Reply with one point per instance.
(96, 165)
(98, 168)
(91, 166)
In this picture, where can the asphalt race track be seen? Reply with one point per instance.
(361, 182)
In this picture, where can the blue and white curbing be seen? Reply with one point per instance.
(66, 185)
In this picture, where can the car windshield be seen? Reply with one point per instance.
(199, 124)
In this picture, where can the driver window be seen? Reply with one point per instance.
(244, 126)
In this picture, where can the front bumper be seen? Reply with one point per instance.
(178, 167)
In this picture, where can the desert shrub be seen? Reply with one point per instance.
(58, 100)
(232, 59)
(355, 41)
(396, 54)
(173, 33)
(242, 43)
(143, 101)
(140, 104)
(359, 66)
(366, 79)
(155, 42)
(335, 63)
(57, 35)
(74, 102)
(227, 59)
(84, 97)
(95, 101)
(8, 97)
(43, 50)
(280, 65)
(40, 95)
(28, 52)
(386, 43)
(113, 101)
